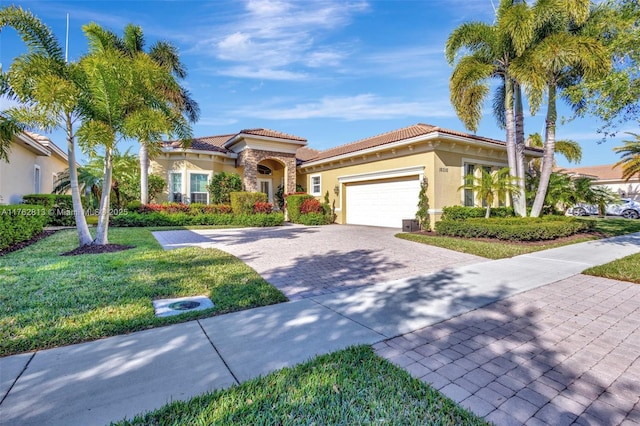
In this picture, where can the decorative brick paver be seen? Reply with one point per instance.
(562, 354)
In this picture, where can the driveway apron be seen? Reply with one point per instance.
(311, 261)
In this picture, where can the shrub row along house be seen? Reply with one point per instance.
(374, 181)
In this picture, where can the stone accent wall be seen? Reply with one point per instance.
(249, 159)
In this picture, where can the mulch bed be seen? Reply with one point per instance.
(97, 249)
(92, 249)
(522, 243)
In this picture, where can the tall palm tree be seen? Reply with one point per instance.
(569, 149)
(559, 57)
(630, 161)
(124, 96)
(48, 89)
(491, 50)
(489, 186)
(165, 54)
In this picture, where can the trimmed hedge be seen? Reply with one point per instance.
(59, 208)
(462, 212)
(243, 202)
(133, 219)
(293, 203)
(311, 219)
(21, 222)
(514, 229)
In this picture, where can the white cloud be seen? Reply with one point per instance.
(350, 108)
(261, 73)
(278, 38)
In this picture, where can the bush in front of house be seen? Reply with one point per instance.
(21, 222)
(307, 210)
(59, 208)
(243, 202)
(293, 203)
(514, 229)
(133, 219)
(222, 185)
(463, 212)
(172, 208)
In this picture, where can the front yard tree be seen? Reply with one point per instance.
(48, 89)
(630, 161)
(124, 98)
(563, 54)
(490, 186)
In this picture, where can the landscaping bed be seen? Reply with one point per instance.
(50, 300)
(353, 386)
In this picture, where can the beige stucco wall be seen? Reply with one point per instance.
(17, 178)
(630, 189)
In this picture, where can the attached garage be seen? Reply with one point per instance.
(382, 203)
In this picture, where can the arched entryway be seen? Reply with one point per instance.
(266, 170)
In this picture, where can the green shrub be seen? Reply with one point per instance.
(222, 185)
(311, 219)
(59, 208)
(21, 222)
(243, 202)
(514, 229)
(293, 204)
(462, 212)
(132, 219)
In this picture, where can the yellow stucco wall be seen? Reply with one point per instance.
(17, 178)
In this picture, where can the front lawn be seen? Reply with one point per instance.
(499, 249)
(625, 269)
(350, 387)
(49, 300)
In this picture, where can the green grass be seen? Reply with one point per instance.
(625, 269)
(502, 249)
(353, 386)
(49, 300)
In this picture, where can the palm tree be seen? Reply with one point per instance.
(166, 55)
(559, 57)
(124, 96)
(491, 50)
(630, 157)
(490, 186)
(569, 149)
(48, 88)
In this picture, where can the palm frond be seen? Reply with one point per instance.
(36, 35)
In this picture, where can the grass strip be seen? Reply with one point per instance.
(353, 386)
(625, 269)
(48, 300)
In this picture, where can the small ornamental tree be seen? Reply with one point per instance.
(222, 185)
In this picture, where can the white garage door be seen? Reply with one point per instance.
(382, 203)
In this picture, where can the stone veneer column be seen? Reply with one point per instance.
(249, 159)
(290, 173)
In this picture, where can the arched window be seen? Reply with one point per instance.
(264, 170)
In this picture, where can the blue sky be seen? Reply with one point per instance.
(330, 71)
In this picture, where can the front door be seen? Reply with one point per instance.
(265, 185)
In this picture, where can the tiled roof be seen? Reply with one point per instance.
(305, 153)
(409, 132)
(272, 134)
(604, 172)
(207, 143)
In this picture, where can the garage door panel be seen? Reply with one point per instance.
(383, 203)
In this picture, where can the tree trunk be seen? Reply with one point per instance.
(144, 173)
(103, 218)
(84, 236)
(521, 198)
(510, 125)
(549, 151)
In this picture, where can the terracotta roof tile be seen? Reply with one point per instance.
(305, 153)
(603, 172)
(415, 130)
(207, 143)
(272, 134)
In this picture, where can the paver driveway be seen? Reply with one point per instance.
(310, 261)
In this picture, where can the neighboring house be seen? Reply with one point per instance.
(33, 167)
(609, 177)
(374, 181)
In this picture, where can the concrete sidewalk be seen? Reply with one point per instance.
(113, 378)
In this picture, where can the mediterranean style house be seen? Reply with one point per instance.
(374, 181)
(33, 167)
(610, 177)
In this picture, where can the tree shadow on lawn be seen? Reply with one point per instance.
(563, 353)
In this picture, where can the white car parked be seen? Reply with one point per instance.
(626, 208)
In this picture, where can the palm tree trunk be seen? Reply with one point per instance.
(84, 236)
(144, 173)
(520, 200)
(103, 218)
(549, 151)
(511, 127)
